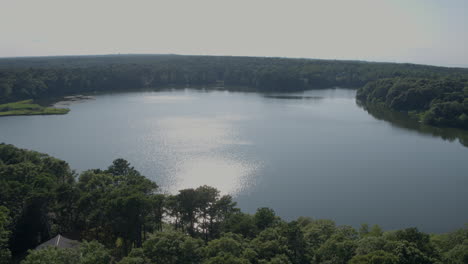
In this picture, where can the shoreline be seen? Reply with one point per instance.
(29, 108)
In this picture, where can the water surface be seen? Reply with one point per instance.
(315, 154)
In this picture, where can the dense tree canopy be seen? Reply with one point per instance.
(127, 221)
(5, 253)
(31, 184)
(88, 253)
(438, 102)
(38, 77)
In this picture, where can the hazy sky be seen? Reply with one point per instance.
(419, 31)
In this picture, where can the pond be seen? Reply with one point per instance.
(316, 153)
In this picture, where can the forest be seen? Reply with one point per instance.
(437, 95)
(438, 102)
(120, 216)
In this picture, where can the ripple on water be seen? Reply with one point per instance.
(198, 151)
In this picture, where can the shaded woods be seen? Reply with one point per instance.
(439, 102)
(125, 219)
(45, 76)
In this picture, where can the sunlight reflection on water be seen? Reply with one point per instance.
(198, 150)
(227, 174)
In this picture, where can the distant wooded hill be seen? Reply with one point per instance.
(24, 78)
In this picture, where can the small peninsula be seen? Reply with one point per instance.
(28, 107)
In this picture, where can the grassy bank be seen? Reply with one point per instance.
(27, 107)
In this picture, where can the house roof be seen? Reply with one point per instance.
(60, 242)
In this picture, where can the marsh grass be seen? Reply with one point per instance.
(27, 107)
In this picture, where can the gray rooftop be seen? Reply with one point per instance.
(60, 242)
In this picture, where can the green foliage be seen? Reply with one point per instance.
(451, 113)
(229, 243)
(29, 182)
(240, 223)
(88, 253)
(457, 255)
(316, 232)
(230, 248)
(121, 209)
(264, 218)
(226, 259)
(376, 257)
(296, 242)
(172, 247)
(39, 77)
(437, 102)
(28, 108)
(408, 253)
(5, 253)
(270, 243)
(417, 238)
(94, 253)
(136, 256)
(115, 204)
(370, 244)
(376, 231)
(452, 246)
(52, 255)
(337, 249)
(200, 211)
(278, 259)
(364, 230)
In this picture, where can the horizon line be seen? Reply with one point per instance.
(459, 66)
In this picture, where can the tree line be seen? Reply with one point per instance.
(121, 217)
(438, 102)
(26, 78)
